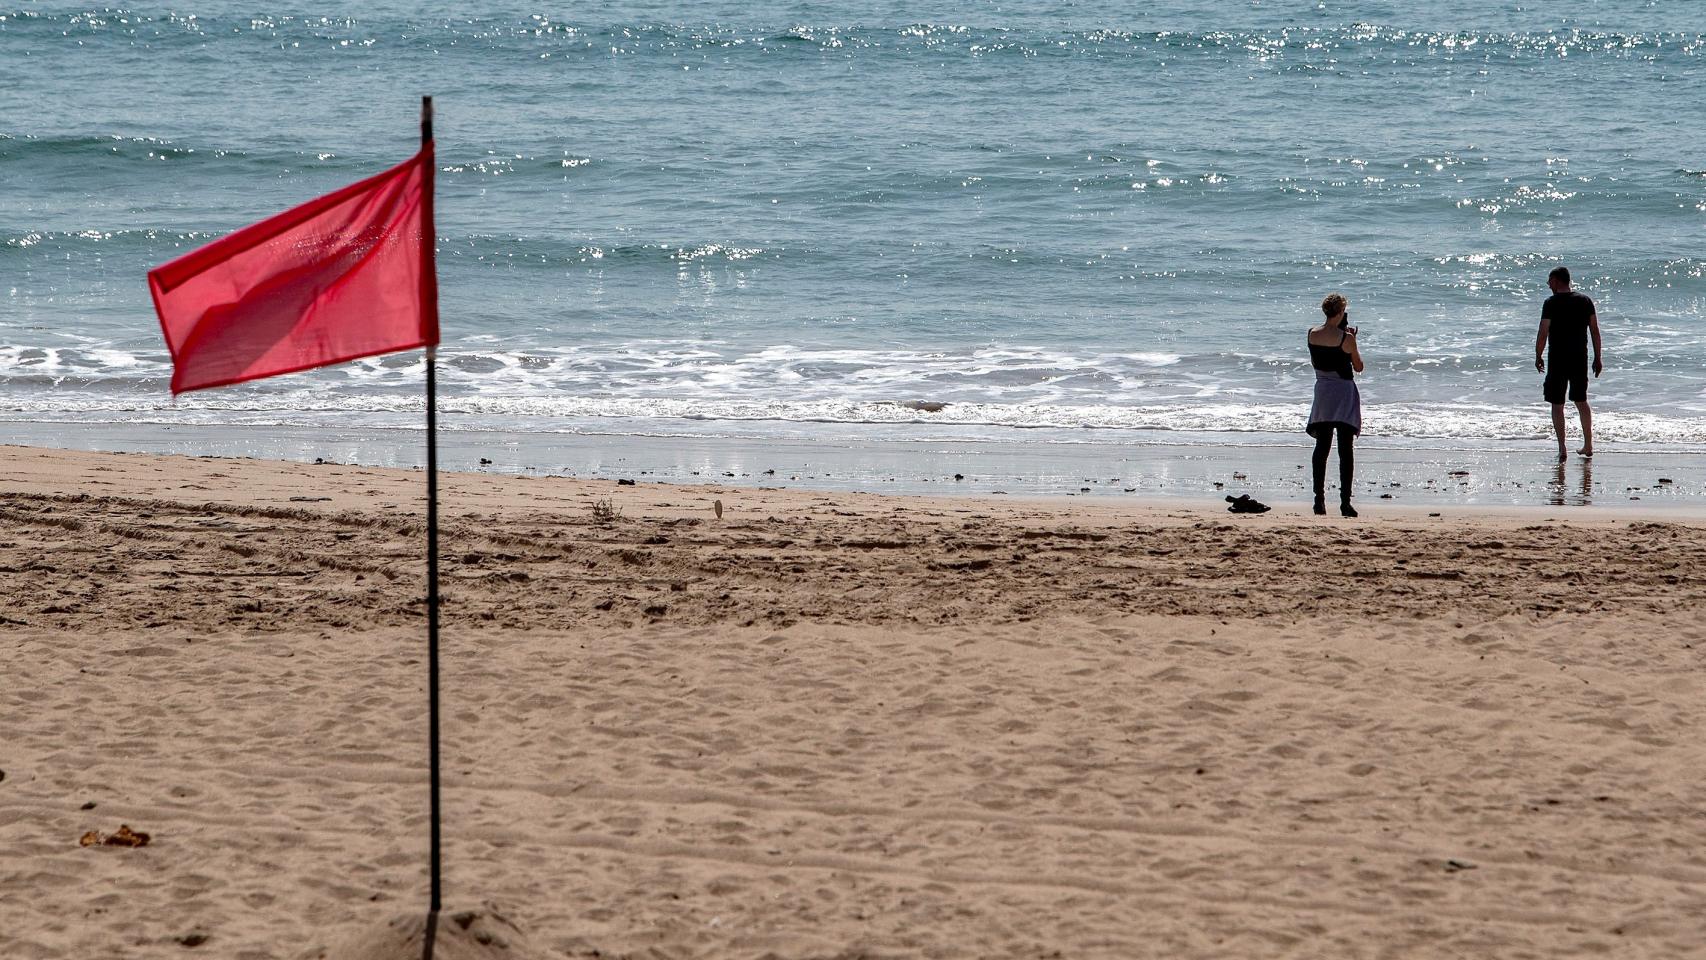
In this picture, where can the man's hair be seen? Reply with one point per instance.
(1333, 305)
(1560, 274)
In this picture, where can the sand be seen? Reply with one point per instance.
(839, 725)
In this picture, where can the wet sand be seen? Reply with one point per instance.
(1152, 466)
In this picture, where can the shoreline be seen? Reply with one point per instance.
(126, 476)
(1198, 473)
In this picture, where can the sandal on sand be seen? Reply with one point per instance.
(1243, 504)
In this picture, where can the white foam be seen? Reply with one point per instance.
(1408, 421)
(1426, 393)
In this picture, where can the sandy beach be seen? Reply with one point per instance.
(831, 724)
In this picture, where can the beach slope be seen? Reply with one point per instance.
(839, 725)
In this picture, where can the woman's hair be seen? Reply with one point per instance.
(1333, 305)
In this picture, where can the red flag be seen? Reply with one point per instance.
(348, 275)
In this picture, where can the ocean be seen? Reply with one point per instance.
(1022, 224)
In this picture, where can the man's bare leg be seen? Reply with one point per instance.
(1586, 413)
(1558, 428)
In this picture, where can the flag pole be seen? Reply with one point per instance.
(427, 263)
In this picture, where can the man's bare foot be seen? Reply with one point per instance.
(1586, 452)
(1563, 455)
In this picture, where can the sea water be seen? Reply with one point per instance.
(1029, 223)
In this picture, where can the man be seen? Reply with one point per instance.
(1567, 320)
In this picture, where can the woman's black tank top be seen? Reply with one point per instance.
(1333, 359)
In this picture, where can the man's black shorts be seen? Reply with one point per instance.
(1562, 380)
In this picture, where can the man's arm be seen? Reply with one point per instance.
(1540, 343)
(1593, 331)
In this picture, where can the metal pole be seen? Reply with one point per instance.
(432, 563)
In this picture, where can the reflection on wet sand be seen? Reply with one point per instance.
(1563, 495)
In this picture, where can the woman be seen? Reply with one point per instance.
(1338, 406)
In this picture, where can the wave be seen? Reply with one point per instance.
(1435, 385)
(1002, 389)
(483, 191)
(1429, 422)
(1655, 277)
(14, 147)
(152, 244)
(1025, 36)
(1429, 361)
(681, 368)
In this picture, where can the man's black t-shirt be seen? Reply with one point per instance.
(1567, 336)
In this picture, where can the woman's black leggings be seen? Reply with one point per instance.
(1347, 460)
